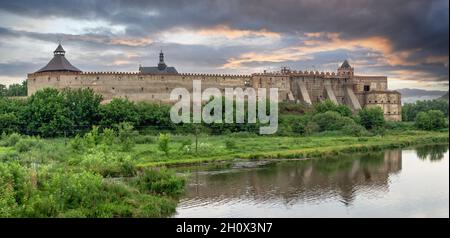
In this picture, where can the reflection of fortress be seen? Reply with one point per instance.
(310, 181)
(156, 83)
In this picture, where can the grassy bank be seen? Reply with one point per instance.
(221, 148)
(105, 175)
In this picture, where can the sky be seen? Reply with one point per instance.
(405, 40)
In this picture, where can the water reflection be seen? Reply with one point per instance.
(433, 152)
(286, 184)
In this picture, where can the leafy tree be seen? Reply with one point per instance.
(46, 114)
(83, 107)
(117, 111)
(328, 105)
(410, 110)
(371, 118)
(154, 115)
(331, 120)
(431, 120)
(14, 90)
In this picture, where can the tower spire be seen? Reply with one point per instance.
(161, 64)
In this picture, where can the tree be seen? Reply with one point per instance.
(331, 120)
(371, 118)
(46, 114)
(83, 106)
(117, 111)
(410, 110)
(431, 120)
(329, 105)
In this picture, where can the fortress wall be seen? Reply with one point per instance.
(134, 86)
(282, 82)
(316, 87)
(378, 83)
(389, 101)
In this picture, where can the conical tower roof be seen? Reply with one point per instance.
(59, 62)
(345, 65)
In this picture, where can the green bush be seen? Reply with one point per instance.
(354, 130)
(27, 144)
(126, 135)
(9, 123)
(162, 182)
(328, 105)
(117, 111)
(410, 110)
(331, 120)
(371, 118)
(230, 144)
(11, 140)
(163, 143)
(431, 120)
(311, 128)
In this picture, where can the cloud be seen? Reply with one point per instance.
(378, 36)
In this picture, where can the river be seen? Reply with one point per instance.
(395, 183)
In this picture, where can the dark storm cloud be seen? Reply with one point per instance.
(418, 26)
(409, 24)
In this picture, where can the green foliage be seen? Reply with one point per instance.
(354, 130)
(371, 118)
(9, 123)
(331, 120)
(431, 120)
(160, 182)
(14, 90)
(117, 111)
(126, 135)
(50, 112)
(27, 144)
(328, 105)
(230, 144)
(410, 110)
(163, 143)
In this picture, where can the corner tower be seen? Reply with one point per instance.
(345, 70)
(59, 62)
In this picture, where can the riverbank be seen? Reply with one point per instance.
(222, 148)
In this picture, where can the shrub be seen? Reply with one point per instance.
(117, 111)
(431, 120)
(411, 110)
(108, 136)
(77, 143)
(371, 118)
(331, 120)
(230, 144)
(9, 123)
(163, 143)
(11, 139)
(145, 139)
(311, 128)
(354, 130)
(329, 105)
(162, 182)
(126, 136)
(27, 144)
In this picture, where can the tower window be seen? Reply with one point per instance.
(366, 88)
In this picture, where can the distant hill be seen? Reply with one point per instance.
(444, 97)
(410, 95)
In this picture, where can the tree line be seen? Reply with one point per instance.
(55, 113)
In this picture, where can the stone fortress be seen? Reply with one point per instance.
(155, 84)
